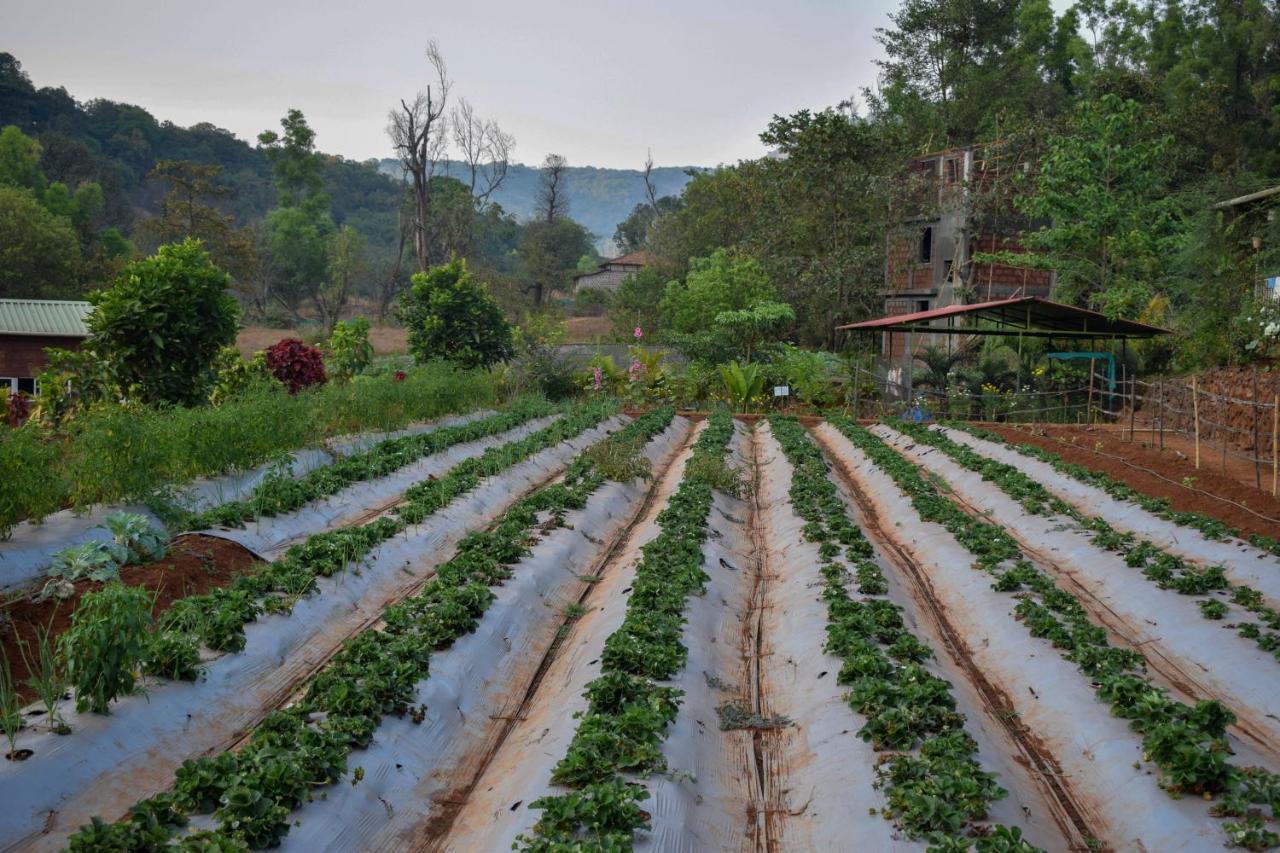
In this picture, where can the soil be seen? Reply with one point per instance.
(195, 564)
(386, 340)
(1212, 493)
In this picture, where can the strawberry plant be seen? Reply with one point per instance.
(251, 791)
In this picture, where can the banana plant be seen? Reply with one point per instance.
(742, 382)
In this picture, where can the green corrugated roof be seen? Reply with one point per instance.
(44, 317)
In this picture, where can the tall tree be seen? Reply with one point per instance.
(418, 133)
(485, 149)
(553, 200)
(299, 228)
(346, 264)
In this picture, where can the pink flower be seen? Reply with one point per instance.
(598, 378)
(635, 369)
(639, 334)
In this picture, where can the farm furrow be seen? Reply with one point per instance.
(1192, 656)
(1242, 561)
(362, 502)
(252, 791)
(417, 777)
(109, 760)
(28, 551)
(885, 651)
(1089, 756)
(497, 808)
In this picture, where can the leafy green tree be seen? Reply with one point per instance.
(721, 282)
(453, 318)
(745, 329)
(1114, 231)
(39, 252)
(550, 250)
(632, 233)
(160, 325)
(20, 160)
(299, 229)
(635, 303)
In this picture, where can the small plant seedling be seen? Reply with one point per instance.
(1189, 482)
(48, 678)
(10, 709)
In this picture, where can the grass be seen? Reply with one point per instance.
(126, 452)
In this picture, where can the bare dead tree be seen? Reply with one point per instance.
(649, 189)
(485, 149)
(418, 133)
(553, 203)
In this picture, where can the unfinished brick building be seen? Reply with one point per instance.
(955, 204)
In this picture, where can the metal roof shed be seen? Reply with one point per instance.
(44, 317)
(1022, 316)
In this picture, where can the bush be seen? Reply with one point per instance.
(160, 325)
(348, 350)
(295, 364)
(450, 317)
(106, 644)
(590, 302)
(116, 452)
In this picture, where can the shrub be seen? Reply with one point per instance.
(18, 409)
(450, 317)
(160, 325)
(349, 351)
(295, 364)
(106, 644)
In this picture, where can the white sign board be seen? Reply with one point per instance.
(781, 390)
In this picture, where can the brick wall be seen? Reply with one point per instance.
(905, 271)
(999, 281)
(22, 356)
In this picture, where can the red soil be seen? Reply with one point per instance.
(1211, 493)
(195, 564)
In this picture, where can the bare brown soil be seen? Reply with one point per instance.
(587, 330)
(1210, 492)
(386, 340)
(194, 565)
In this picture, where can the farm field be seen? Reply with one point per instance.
(573, 627)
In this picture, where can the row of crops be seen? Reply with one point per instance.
(555, 628)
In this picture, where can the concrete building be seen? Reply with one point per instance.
(27, 327)
(949, 211)
(611, 273)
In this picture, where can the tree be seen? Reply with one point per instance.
(189, 209)
(346, 264)
(160, 324)
(632, 233)
(745, 329)
(485, 149)
(299, 228)
(20, 160)
(553, 202)
(550, 252)
(1114, 232)
(39, 252)
(449, 316)
(417, 131)
(721, 282)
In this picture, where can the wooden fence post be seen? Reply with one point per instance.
(1162, 413)
(1275, 442)
(1257, 450)
(1088, 405)
(1195, 414)
(1133, 403)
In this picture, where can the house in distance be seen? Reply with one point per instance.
(612, 273)
(27, 328)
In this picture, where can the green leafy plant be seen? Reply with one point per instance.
(742, 383)
(47, 676)
(10, 708)
(159, 326)
(134, 534)
(348, 351)
(97, 561)
(450, 317)
(106, 644)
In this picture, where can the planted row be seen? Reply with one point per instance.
(1211, 527)
(622, 730)
(250, 792)
(933, 783)
(1187, 743)
(1166, 570)
(279, 492)
(104, 637)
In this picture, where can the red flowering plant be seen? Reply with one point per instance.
(18, 409)
(401, 375)
(295, 364)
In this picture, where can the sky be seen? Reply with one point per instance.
(600, 81)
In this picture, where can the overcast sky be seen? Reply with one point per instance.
(599, 81)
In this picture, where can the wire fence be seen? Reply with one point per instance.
(1217, 426)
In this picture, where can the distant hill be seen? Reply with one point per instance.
(598, 198)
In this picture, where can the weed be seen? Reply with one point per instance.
(10, 708)
(47, 676)
(735, 715)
